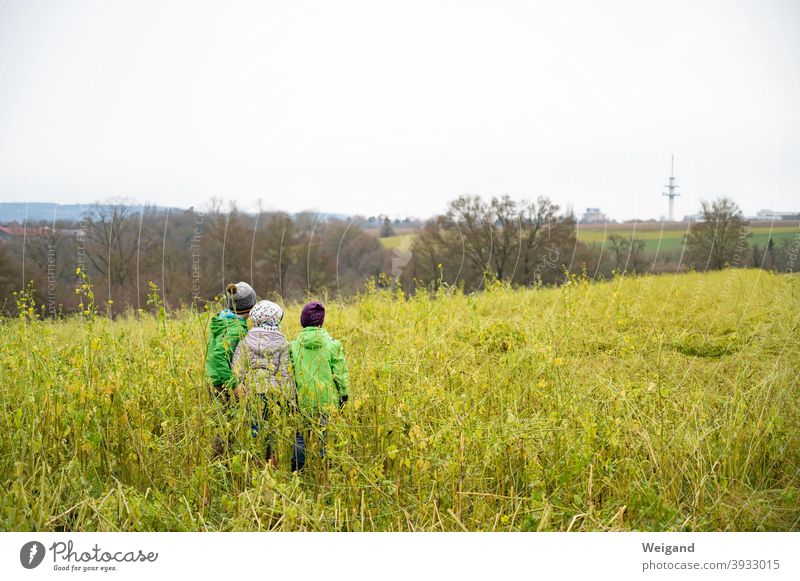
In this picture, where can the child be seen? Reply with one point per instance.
(261, 361)
(320, 373)
(227, 328)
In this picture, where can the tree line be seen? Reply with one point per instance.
(190, 255)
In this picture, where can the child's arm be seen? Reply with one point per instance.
(239, 362)
(286, 377)
(236, 362)
(341, 375)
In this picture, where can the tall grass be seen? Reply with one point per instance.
(656, 403)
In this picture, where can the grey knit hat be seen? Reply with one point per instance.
(240, 297)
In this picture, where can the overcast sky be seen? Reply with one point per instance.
(369, 107)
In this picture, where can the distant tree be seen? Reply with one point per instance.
(720, 239)
(113, 242)
(386, 228)
(772, 255)
(759, 258)
(276, 244)
(787, 255)
(636, 256)
(10, 280)
(627, 252)
(354, 255)
(549, 242)
(228, 246)
(517, 242)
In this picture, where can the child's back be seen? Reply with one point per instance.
(319, 366)
(226, 330)
(262, 362)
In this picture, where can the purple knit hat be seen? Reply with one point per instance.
(313, 315)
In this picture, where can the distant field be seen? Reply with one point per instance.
(399, 241)
(669, 235)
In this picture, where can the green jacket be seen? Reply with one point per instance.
(227, 328)
(320, 370)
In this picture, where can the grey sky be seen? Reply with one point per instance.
(367, 107)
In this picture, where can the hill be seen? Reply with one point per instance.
(648, 403)
(46, 211)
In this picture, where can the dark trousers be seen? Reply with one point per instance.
(299, 451)
(260, 424)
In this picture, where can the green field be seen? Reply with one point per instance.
(646, 403)
(400, 241)
(670, 238)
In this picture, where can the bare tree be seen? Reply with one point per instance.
(473, 220)
(356, 254)
(274, 251)
(113, 242)
(386, 229)
(720, 239)
(507, 236)
(227, 247)
(10, 280)
(627, 252)
(518, 242)
(549, 240)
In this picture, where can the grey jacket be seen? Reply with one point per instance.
(261, 361)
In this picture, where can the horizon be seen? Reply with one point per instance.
(563, 210)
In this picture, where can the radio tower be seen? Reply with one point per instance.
(671, 194)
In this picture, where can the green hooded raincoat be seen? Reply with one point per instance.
(320, 370)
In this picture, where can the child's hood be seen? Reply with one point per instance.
(313, 338)
(261, 341)
(224, 320)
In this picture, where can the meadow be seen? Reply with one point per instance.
(670, 236)
(639, 403)
(657, 236)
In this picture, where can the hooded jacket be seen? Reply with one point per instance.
(226, 330)
(261, 361)
(320, 371)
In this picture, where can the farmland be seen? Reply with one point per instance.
(639, 403)
(656, 236)
(670, 236)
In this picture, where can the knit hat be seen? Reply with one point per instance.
(313, 315)
(266, 314)
(240, 297)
